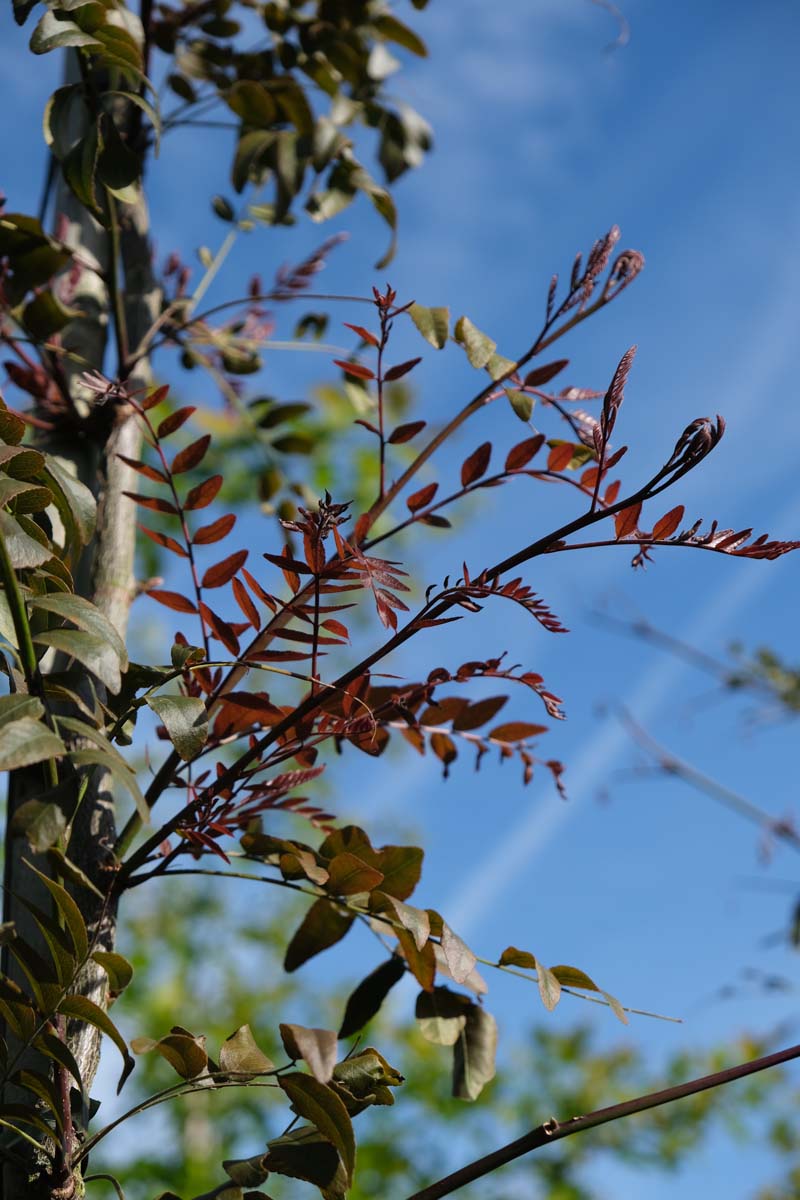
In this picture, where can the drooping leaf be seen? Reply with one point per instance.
(83, 1009)
(116, 967)
(549, 986)
(365, 1000)
(458, 956)
(41, 824)
(316, 1047)
(24, 552)
(86, 616)
(90, 649)
(323, 926)
(184, 1052)
(442, 1015)
(421, 962)
(479, 346)
(26, 741)
(474, 1054)
(432, 323)
(320, 1105)
(305, 1154)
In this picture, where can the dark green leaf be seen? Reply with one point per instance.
(186, 722)
(23, 551)
(365, 1000)
(40, 823)
(27, 741)
(83, 1009)
(117, 968)
(324, 925)
(319, 1104)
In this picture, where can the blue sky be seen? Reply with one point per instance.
(685, 138)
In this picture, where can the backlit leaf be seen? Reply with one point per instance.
(475, 466)
(400, 370)
(474, 1054)
(323, 926)
(478, 346)
(171, 600)
(83, 1009)
(626, 521)
(214, 532)
(442, 1015)
(668, 523)
(202, 495)
(316, 1047)
(422, 498)
(520, 455)
(241, 1055)
(432, 323)
(191, 456)
(365, 1001)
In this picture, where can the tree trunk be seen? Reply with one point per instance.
(105, 576)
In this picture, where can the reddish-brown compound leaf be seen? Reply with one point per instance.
(354, 369)
(202, 495)
(560, 457)
(221, 630)
(400, 370)
(214, 532)
(404, 433)
(668, 523)
(444, 748)
(366, 1000)
(174, 421)
(516, 731)
(153, 502)
(143, 469)
(475, 465)
(625, 522)
(612, 491)
(521, 454)
(337, 628)
(363, 333)
(422, 498)
(478, 713)
(155, 397)
(172, 600)
(161, 539)
(222, 572)
(242, 597)
(191, 456)
(542, 375)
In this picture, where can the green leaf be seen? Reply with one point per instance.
(316, 1047)
(18, 705)
(319, 1104)
(69, 911)
(70, 872)
(395, 31)
(41, 824)
(83, 1009)
(252, 102)
(74, 500)
(24, 552)
(432, 323)
(54, 1048)
(34, 257)
(116, 967)
(118, 167)
(186, 721)
(478, 346)
(323, 926)
(365, 1001)
(520, 403)
(26, 497)
(240, 1055)
(498, 365)
(105, 755)
(151, 111)
(45, 315)
(54, 34)
(247, 1172)
(184, 1052)
(27, 741)
(90, 649)
(474, 1054)
(442, 1015)
(365, 1079)
(86, 616)
(79, 167)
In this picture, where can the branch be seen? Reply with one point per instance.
(553, 1130)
